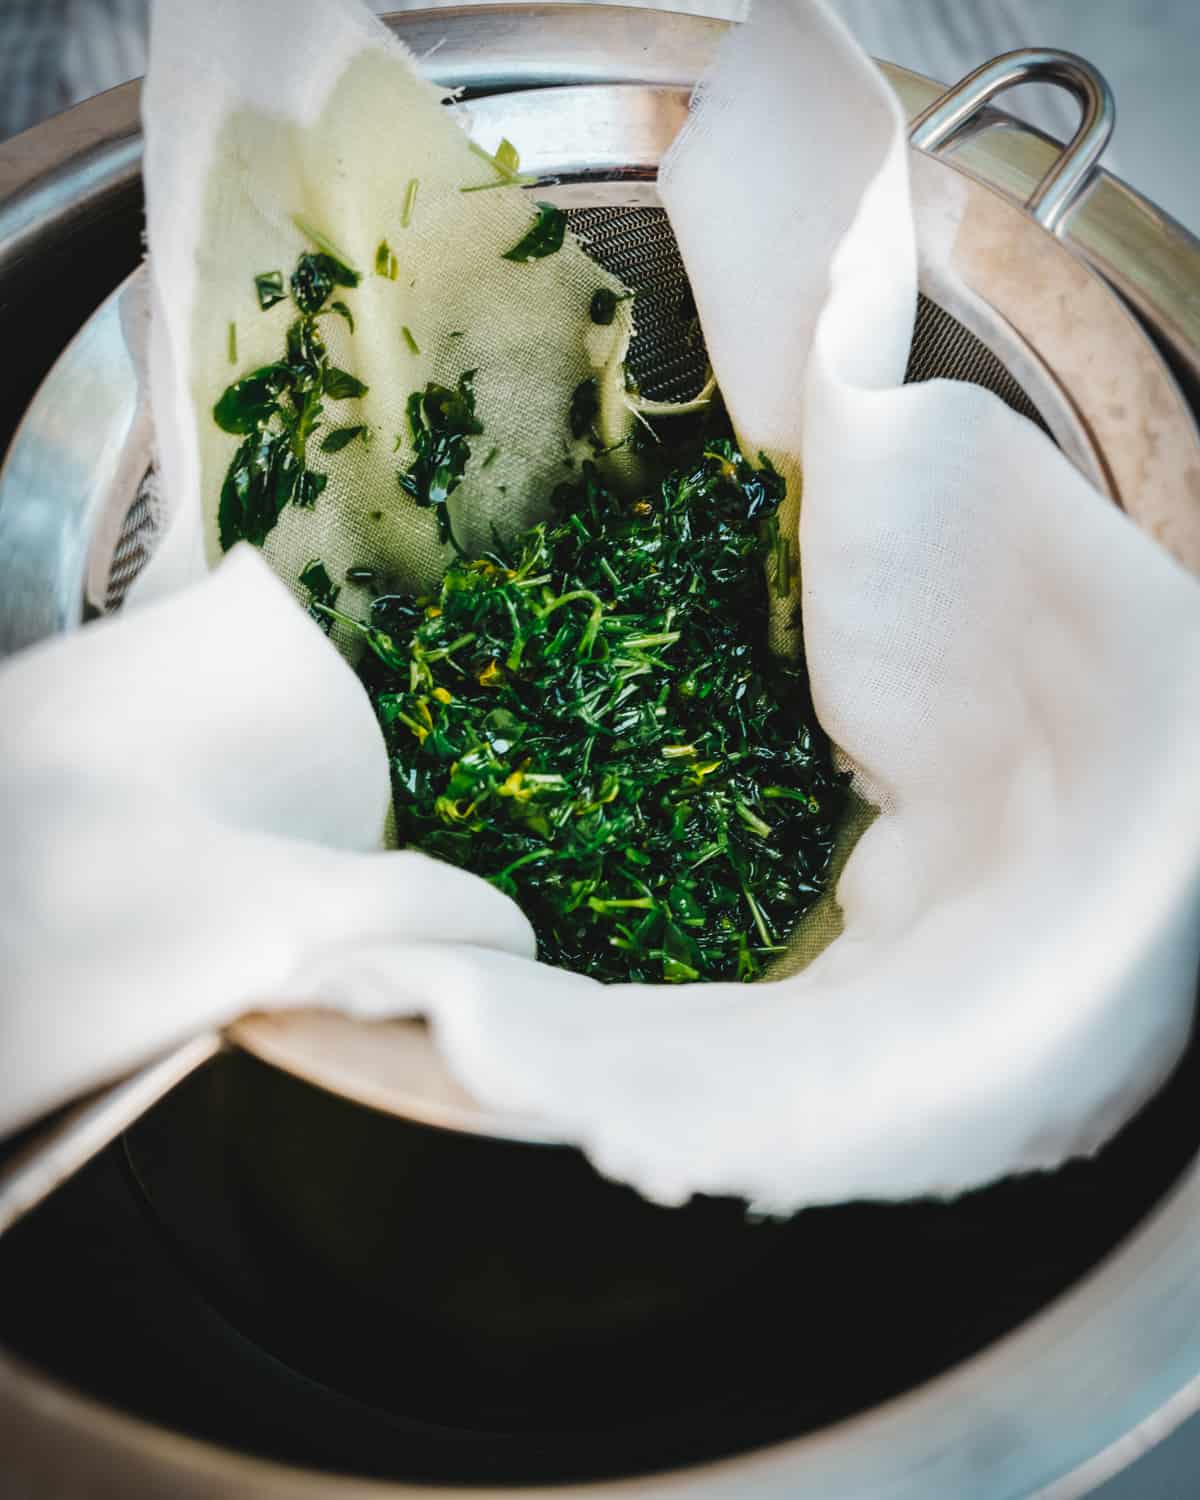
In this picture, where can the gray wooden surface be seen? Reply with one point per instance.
(53, 52)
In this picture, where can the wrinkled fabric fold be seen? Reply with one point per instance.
(192, 799)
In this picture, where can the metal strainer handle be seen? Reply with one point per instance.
(1066, 179)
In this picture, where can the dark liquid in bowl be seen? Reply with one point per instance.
(273, 1268)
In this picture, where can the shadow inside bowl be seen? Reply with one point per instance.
(524, 1320)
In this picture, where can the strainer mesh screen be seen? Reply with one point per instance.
(943, 349)
(667, 358)
(134, 546)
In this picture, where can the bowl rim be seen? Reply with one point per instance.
(1053, 1408)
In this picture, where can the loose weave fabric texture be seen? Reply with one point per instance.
(365, 159)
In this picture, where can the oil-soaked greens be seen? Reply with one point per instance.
(591, 719)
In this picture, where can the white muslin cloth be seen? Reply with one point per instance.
(192, 797)
(344, 145)
(1009, 667)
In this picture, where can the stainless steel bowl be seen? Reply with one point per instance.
(1080, 1389)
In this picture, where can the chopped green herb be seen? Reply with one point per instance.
(544, 238)
(340, 437)
(315, 577)
(264, 475)
(310, 486)
(410, 202)
(343, 312)
(232, 346)
(440, 420)
(315, 277)
(456, 333)
(506, 164)
(248, 403)
(269, 286)
(386, 263)
(490, 459)
(381, 644)
(362, 577)
(340, 385)
(322, 242)
(414, 347)
(604, 305)
(277, 408)
(322, 592)
(781, 555)
(585, 403)
(305, 351)
(591, 720)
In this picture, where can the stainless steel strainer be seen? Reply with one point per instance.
(1004, 304)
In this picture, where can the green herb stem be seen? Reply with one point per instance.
(322, 242)
(545, 237)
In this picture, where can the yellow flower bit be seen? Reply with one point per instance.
(515, 786)
(606, 794)
(443, 695)
(432, 611)
(677, 752)
(423, 705)
(697, 773)
(727, 468)
(454, 810)
(491, 675)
